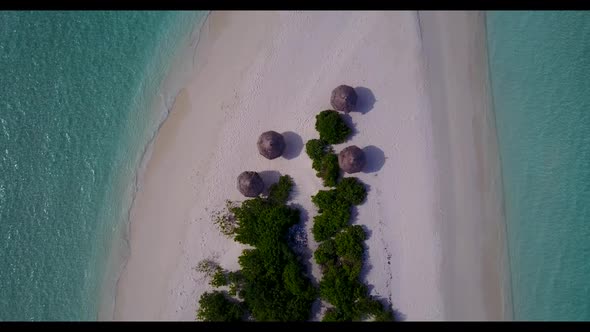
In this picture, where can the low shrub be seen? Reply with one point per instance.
(217, 307)
(271, 281)
(348, 244)
(368, 308)
(293, 279)
(225, 220)
(278, 193)
(316, 148)
(329, 170)
(260, 221)
(326, 252)
(219, 279)
(324, 161)
(332, 315)
(325, 199)
(350, 298)
(351, 190)
(236, 282)
(330, 222)
(345, 250)
(208, 267)
(332, 127)
(342, 292)
(275, 288)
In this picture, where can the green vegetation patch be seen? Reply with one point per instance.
(351, 190)
(335, 206)
(317, 148)
(271, 282)
(342, 291)
(262, 222)
(225, 220)
(333, 130)
(340, 255)
(325, 199)
(332, 127)
(330, 222)
(340, 286)
(349, 243)
(324, 161)
(329, 170)
(279, 192)
(217, 306)
(344, 250)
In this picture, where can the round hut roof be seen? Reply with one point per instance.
(344, 99)
(250, 184)
(271, 144)
(352, 159)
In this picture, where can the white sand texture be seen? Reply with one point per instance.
(433, 210)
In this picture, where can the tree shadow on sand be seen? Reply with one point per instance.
(365, 102)
(386, 302)
(398, 316)
(298, 242)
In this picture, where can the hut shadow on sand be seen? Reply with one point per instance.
(269, 178)
(348, 120)
(375, 159)
(294, 145)
(365, 101)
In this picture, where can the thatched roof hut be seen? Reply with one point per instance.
(271, 144)
(344, 99)
(352, 159)
(250, 184)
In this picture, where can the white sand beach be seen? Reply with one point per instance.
(433, 209)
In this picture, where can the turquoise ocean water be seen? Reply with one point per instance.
(540, 73)
(78, 104)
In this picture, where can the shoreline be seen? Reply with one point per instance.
(162, 105)
(230, 98)
(465, 110)
(157, 153)
(507, 285)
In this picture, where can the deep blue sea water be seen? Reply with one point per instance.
(540, 74)
(77, 109)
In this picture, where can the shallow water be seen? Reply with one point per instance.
(540, 69)
(77, 110)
